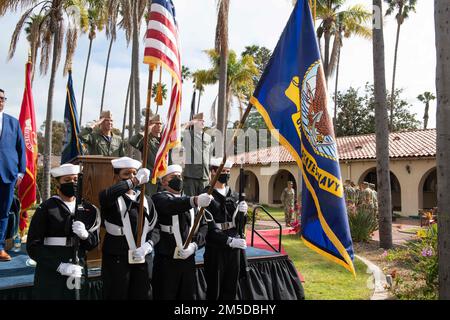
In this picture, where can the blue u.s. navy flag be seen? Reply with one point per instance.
(72, 146)
(292, 98)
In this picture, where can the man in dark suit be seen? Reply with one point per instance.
(12, 167)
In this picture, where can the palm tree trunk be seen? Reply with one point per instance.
(126, 109)
(327, 38)
(48, 119)
(130, 150)
(382, 137)
(391, 118)
(336, 89)
(425, 116)
(442, 21)
(223, 70)
(198, 102)
(85, 77)
(106, 74)
(135, 62)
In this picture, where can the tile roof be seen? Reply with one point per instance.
(404, 144)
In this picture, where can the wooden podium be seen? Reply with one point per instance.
(98, 174)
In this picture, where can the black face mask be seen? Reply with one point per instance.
(69, 189)
(224, 178)
(176, 184)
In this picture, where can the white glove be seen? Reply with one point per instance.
(204, 200)
(70, 270)
(143, 175)
(238, 243)
(243, 207)
(141, 252)
(79, 229)
(186, 253)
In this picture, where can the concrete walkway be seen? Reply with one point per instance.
(379, 283)
(401, 231)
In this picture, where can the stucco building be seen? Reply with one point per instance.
(412, 166)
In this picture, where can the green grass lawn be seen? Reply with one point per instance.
(277, 213)
(325, 280)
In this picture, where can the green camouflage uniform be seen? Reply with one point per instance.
(98, 144)
(350, 195)
(137, 142)
(197, 157)
(288, 201)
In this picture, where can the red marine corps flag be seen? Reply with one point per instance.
(162, 49)
(27, 120)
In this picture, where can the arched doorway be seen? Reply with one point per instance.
(251, 187)
(428, 190)
(396, 192)
(280, 181)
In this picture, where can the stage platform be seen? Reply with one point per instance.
(272, 276)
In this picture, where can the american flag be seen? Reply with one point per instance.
(162, 43)
(162, 49)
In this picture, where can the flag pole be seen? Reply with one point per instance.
(151, 69)
(218, 172)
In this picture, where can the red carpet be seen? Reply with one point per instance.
(271, 236)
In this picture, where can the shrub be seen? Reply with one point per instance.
(362, 222)
(421, 257)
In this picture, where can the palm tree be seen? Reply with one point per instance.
(132, 13)
(240, 75)
(34, 37)
(201, 78)
(335, 22)
(348, 25)
(97, 19)
(185, 73)
(426, 98)
(56, 14)
(403, 8)
(382, 135)
(442, 21)
(221, 46)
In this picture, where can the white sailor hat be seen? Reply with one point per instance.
(216, 162)
(173, 168)
(67, 169)
(125, 162)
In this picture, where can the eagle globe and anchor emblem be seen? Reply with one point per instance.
(312, 114)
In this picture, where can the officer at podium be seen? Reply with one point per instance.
(174, 268)
(222, 257)
(126, 264)
(99, 138)
(51, 238)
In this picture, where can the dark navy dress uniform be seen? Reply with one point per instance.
(221, 261)
(122, 280)
(175, 279)
(50, 243)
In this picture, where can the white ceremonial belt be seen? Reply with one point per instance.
(225, 226)
(58, 241)
(167, 229)
(113, 229)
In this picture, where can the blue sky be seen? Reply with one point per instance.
(251, 22)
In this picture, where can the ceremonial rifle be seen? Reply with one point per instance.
(76, 241)
(241, 219)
